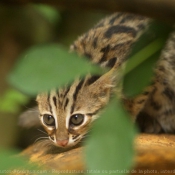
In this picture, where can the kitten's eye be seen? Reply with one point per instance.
(77, 119)
(49, 120)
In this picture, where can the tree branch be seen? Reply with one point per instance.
(153, 153)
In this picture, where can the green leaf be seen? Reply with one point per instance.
(110, 147)
(141, 62)
(144, 54)
(11, 101)
(42, 68)
(10, 161)
(139, 71)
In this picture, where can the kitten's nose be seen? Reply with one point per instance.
(62, 143)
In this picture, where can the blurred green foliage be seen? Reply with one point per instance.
(42, 68)
(143, 58)
(12, 100)
(110, 148)
(50, 13)
(9, 160)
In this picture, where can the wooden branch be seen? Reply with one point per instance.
(161, 9)
(155, 155)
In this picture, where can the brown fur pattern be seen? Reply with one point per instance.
(110, 41)
(108, 45)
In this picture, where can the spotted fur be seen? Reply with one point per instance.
(108, 45)
(110, 41)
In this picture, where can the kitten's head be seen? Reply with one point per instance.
(66, 114)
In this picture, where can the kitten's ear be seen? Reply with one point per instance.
(29, 118)
(105, 83)
(107, 80)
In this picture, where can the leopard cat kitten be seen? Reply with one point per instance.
(68, 113)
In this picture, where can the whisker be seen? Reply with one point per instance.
(36, 136)
(42, 131)
(44, 138)
(31, 109)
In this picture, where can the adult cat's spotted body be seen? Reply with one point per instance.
(67, 113)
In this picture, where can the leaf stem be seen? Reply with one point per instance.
(142, 55)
